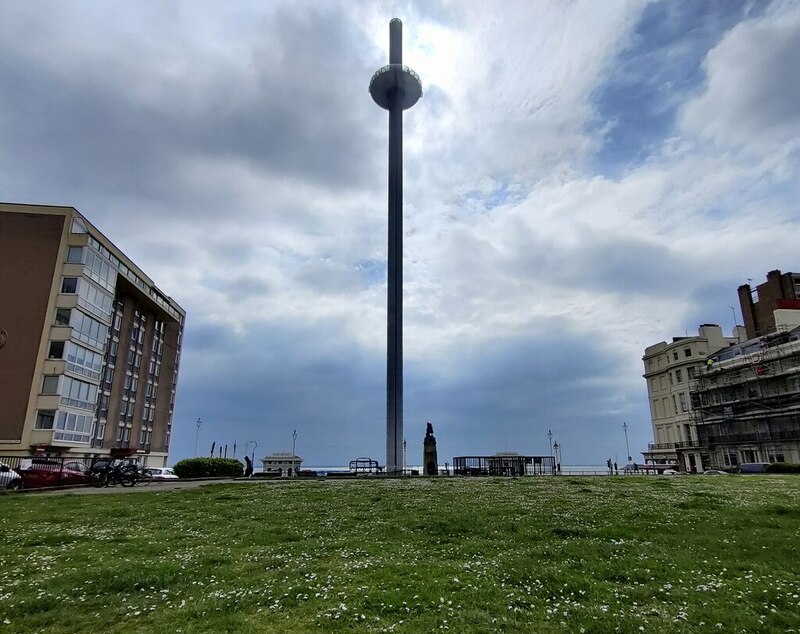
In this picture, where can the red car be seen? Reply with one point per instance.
(44, 472)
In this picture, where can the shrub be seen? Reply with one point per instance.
(783, 467)
(209, 468)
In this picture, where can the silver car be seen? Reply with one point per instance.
(162, 473)
(9, 479)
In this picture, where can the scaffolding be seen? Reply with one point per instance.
(746, 403)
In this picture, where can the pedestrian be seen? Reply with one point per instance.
(616, 470)
(248, 467)
(610, 470)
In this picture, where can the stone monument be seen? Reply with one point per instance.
(430, 462)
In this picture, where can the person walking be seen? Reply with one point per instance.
(248, 467)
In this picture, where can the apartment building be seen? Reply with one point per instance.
(92, 345)
(670, 368)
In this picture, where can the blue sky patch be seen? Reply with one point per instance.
(656, 73)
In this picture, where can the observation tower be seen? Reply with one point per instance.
(395, 88)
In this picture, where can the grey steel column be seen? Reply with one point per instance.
(396, 88)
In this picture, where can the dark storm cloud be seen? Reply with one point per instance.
(273, 379)
(292, 110)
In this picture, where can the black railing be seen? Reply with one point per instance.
(39, 471)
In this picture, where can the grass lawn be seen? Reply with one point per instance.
(567, 554)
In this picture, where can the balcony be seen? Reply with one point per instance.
(655, 446)
(754, 437)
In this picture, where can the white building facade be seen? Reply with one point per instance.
(670, 368)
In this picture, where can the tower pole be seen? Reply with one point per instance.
(395, 88)
(394, 332)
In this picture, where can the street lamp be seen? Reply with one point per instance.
(625, 429)
(405, 448)
(556, 446)
(550, 438)
(246, 445)
(197, 435)
(294, 442)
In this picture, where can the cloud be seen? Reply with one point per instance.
(751, 97)
(581, 182)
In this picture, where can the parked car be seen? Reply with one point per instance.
(9, 479)
(715, 472)
(162, 473)
(753, 467)
(43, 472)
(670, 472)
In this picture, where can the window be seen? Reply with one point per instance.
(89, 330)
(73, 427)
(100, 270)
(84, 361)
(663, 382)
(50, 385)
(671, 382)
(675, 355)
(687, 352)
(730, 459)
(674, 405)
(123, 434)
(95, 300)
(80, 394)
(775, 455)
(653, 384)
(62, 316)
(126, 411)
(102, 408)
(78, 226)
(678, 376)
(690, 373)
(75, 255)
(134, 361)
(44, 419)
(69, 285)
(56, 350)
(684, 404)
(144, 437)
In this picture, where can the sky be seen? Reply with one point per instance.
(582, 180)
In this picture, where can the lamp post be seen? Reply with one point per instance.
(253, 455)
(550, 438)
(197, 435)
(627, 447)
(556, 446)
(294, 442)
(405, 448)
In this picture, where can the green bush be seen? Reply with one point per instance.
(208, 468)
(783, 467)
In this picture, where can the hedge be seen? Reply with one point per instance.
(209, 468)
(783, 467)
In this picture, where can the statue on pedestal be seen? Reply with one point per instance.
(430, 462)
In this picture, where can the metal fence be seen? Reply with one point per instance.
(39, 471)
